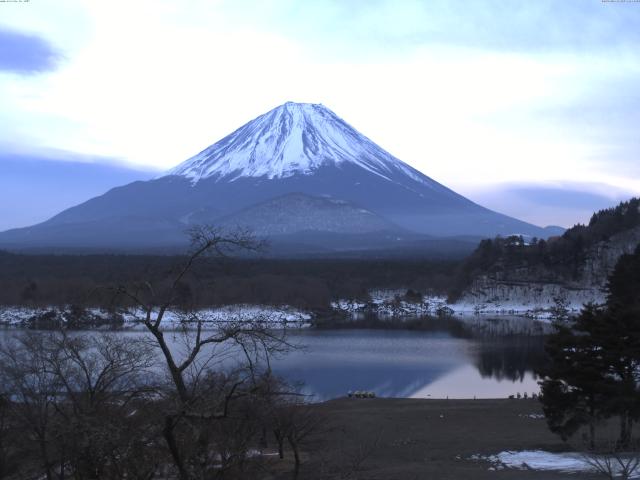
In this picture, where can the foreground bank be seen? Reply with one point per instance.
(444, 439)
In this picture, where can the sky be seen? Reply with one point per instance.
(531, 108)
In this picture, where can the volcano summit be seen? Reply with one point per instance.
(297, 174)
(293, 139)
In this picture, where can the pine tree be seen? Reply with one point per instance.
(574, 384)
(620, 342)
(594, 368)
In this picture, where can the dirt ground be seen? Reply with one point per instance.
(408, 439)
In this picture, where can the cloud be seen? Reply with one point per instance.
(351, 28)
(568, 196)
(557, 203)
(25, 53)
(478, 94)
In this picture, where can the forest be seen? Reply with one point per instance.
(311, 284)
(44, 280)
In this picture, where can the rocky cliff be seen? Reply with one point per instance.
(538, 287)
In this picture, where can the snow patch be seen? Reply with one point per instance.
(393, 303)
(568, 462)
(534, 416)
(273, 316)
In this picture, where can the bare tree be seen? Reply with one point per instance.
(75, 398)
(285, 412)
(351, 461)
(615, 465)
(189, 400)
(304, 422)
(195, 398)
(103, 380)
(33, 392)
(9, 454)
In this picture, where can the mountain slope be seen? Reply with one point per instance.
(295, 148)
(293, 139)
(296, 212)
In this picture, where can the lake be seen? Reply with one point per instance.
(412, 364)
(457, 358)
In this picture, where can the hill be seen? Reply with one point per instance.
(573, 267)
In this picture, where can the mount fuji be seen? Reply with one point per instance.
(299, 175)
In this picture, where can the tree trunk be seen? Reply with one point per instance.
(625, 433)
(174, 371)
(173, 447)
(45, 459)
(296, 453)
(280, 440)
(62, 475)
(592, 426)
(264, 441)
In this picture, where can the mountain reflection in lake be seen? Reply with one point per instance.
(422, 358)
(456, 358)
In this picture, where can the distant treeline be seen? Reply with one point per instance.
(41, 280)
(558, 258)
(88, 280)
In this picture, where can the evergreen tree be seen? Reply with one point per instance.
(620, 342)
(594, 368)
(574, 385)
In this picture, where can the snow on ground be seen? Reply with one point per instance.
(533, 416)
(386, 303)
(274, 316)
(393, 303)
(14, 316)
(532, 310)
(567, 462)
(271, 315)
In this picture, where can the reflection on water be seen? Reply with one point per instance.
(509, 359)
(459, 358)
(436, 358)
(466, 382)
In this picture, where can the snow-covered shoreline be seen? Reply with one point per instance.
(385, 304)
(132, 320)
(394, 303)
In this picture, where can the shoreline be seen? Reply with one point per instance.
(358, 315)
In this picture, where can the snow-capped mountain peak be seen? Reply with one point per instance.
(298, 174)
(294, 138)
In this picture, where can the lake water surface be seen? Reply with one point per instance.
(415, 364)
(465, 358)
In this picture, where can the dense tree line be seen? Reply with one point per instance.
(44, 280)
(556, 259)
(594, 373)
